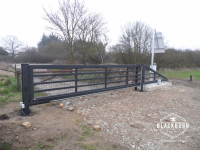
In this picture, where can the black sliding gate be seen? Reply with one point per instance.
(44, 83)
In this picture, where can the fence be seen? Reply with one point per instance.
(17, 75)
(44, 83)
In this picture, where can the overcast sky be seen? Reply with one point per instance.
(178, 20)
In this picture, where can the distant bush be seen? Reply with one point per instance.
(7, 59)
(35, 56)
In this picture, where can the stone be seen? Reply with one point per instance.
(61, 105)
(136, 125)
(182, 141)
(26, 124)
(89, 122)
(97, 128)
(67, 103)
(71, 108)
(81, 97)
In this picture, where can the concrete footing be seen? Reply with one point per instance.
(155, 86)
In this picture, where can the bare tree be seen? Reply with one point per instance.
(135, 43)
(92, 27)
(72, 22)
(101, 48)
(64, 22)
(12, 44)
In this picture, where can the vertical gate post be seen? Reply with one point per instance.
(76, 71)
(127, 76)
(105, 77)
(136, 77)
(25, 88)
(142, 77)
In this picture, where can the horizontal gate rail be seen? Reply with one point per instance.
(43, 75)
(44, 83)
(42, 100)
(65, 71)
(37, 83)
(78, 66)
(53, 89)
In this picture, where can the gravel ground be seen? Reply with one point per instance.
(128, 120)
(129, 117)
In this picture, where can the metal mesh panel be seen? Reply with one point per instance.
(66, 79)
(48, 79)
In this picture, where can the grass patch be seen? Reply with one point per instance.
(111, 148)
(50, 104)
(87, 131)
(40, 145)
(8, 91)
(83, 127)
(81, 138)
(3, 91)
(78, 120)
(40, 94)
(7, 82)
(5, 146)
(180, 74)
(88, 147)
(48, 146)
(76, 130)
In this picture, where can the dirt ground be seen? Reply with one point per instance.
(128, 120)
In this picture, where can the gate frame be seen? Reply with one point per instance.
(28, 85)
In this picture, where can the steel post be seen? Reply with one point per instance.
(136, 77)
(76, 71)
(105, 77)
(25, 88)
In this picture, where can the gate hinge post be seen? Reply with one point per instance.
(25, 89)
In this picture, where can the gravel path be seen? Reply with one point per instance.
(129, 117)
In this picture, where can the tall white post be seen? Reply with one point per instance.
(152, 50)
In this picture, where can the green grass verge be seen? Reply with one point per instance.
(180, 74)
(8, 90)
(9, 93)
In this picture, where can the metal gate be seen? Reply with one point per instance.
(44, 83)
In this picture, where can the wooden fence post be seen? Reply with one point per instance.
(18, 81)
(15, 71)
